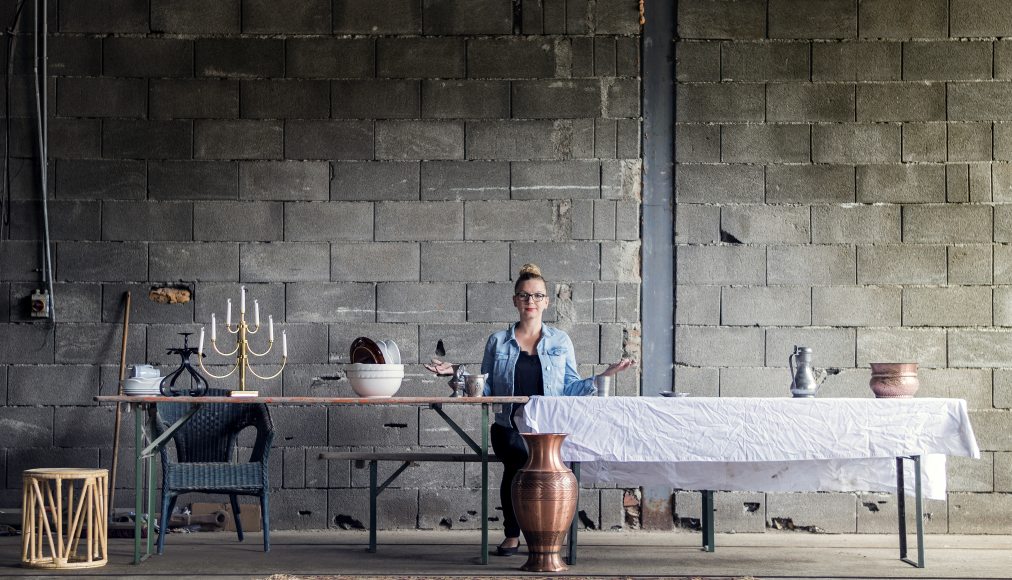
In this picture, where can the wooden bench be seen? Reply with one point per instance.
(406, 458)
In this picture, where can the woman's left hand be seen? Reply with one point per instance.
(616, 368)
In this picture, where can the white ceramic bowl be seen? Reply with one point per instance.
(372, 367)
(142, 386)
(375, 387)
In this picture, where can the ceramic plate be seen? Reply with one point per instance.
(365, 350)
(393, 353)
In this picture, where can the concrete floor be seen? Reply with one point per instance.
(623, 554)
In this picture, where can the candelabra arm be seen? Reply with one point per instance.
(284, 360)
(200, 361)
(250, 351)
(214, 345)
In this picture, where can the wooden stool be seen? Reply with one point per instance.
(47, 523)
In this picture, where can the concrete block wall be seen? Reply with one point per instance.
(363, 167)
(842, 172)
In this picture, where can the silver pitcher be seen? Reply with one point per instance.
(805, 379)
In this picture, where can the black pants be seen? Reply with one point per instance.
(509, 446)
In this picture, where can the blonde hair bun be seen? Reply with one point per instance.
(530, 270)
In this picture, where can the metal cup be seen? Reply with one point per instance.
(603, 385)
(474, 385)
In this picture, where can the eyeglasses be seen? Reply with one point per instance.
(523, 296)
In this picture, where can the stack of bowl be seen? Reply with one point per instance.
(375, 370)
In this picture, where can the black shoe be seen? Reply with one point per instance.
(500, 550)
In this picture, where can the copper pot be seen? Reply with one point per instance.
(894, 380)
(545, 494)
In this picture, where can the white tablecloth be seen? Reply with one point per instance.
(752, 444)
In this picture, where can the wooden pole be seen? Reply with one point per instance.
(119, 408)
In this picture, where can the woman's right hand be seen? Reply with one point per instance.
(440, 368)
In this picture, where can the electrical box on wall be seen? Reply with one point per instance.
(40, 304)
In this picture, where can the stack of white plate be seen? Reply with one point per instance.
(141, 386)
(391, 354)
(375, 380)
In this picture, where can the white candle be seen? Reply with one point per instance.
(213, 325)
(256, 312)
(270, 325)
(284, 343)
(228, 317)
(242, 299)
(200, 350)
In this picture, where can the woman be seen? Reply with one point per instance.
(528, 358)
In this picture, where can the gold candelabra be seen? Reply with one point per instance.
(242, 349)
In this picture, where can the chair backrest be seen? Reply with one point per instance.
(210, 435)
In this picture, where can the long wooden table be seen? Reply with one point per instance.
(145, 487)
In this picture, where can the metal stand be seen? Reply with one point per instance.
(709, 543)
(901, 510)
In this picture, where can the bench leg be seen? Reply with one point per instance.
(373, 492)
(707, 521)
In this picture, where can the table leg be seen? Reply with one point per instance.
(901, 511)
(151, 504)
(573, 526)
(484, 483)
(707, 521)
(373, 493)
(138, 481)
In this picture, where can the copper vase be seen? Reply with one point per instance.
(545, 495)
(894, 380)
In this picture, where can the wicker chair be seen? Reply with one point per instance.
(204, 446)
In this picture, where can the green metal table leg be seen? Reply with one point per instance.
(373, 493)
(573, 526)
(901, 510)
(708, 536)
(484, 483)
(138, 481)
(151, 504)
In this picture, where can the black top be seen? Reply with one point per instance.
(527, 378)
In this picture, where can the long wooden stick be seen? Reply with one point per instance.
(119, 408)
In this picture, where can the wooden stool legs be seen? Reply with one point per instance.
(53, 532)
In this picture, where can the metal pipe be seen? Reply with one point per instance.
(42, 127)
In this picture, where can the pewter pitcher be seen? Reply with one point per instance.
(803, 381)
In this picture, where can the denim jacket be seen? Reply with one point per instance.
(558, 367)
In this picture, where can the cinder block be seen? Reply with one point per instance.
(832, 347)
(766, 306)
(447, 17)
(722, 347)
(70, 56)
(697, 61)
(971, 264)
(104, 16)
(605, 138)
(81, 427)
(721, 102)
(586, 341)
(622, 179)
(957, 183)
(86, 344)
(386, 181)
(344, 139)
(979, 101)
(627, 220)
(52, 385)
(722, 19)
(29, 427)
(849, 383)
(337, 58)
(738, 183)
(463, 343)
(468, 99)
(555, 179)
(405, 335)
(19, 260)
(720, 265)
(907, 183)
(77, 302)
(604, 220)
(604, 56)
(532, 12)
(404, 140)
(102, 261)
(237, 222)
(977, 513)
(233, 139)
(331, 221)
(856, 306)
(286, 17)
(926, 347)
(856, 143)
(100, 179)
(1002, 59)
(383, 261)
(947, 223)
(832, 513)
(979, 18)
(930, 19)
(101, 97)
(284, 180)
(795, 102)
(420, 58)
(428, 220)
(513, 58)
(627, 302)
(992, 429)
(947, 60)
(375, 99)
(491, 303)
(420, 302)
(754, 382)
(856, 224)
(176, 180)
(956, 306)
(901, 264)
(805, 19)
(424, 476)
(195, 16)
(697, 224)
(285, 99)
(299, 426)
(699, 143)
(465, 180)
(147, 139)
(627, 56)
(294, 467)
(147, 221)
(349, 509)
(857, 61)
(465, 262)
(1002, 137)
(284, 262)
(537, 99)
(877, 514)
(564, 261)
(924, 142)
(387, 426)
(68, 220)
(766, 224)
(330, 302)
(697, 304)
(146, 57)
(142, 309)
(972, 385)
(194, 262)
(765, 143)
(979, 348)
(1003, 306)
(968, 474)
(240, 57)
(809, 184)
(734, 512)
(530, 139)
(699, 382)
(509, 220)
(877, 102)
(299, 509)
(193, 99)
(765, 61)
(367, 17)
(969, 142)
(814, 265)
